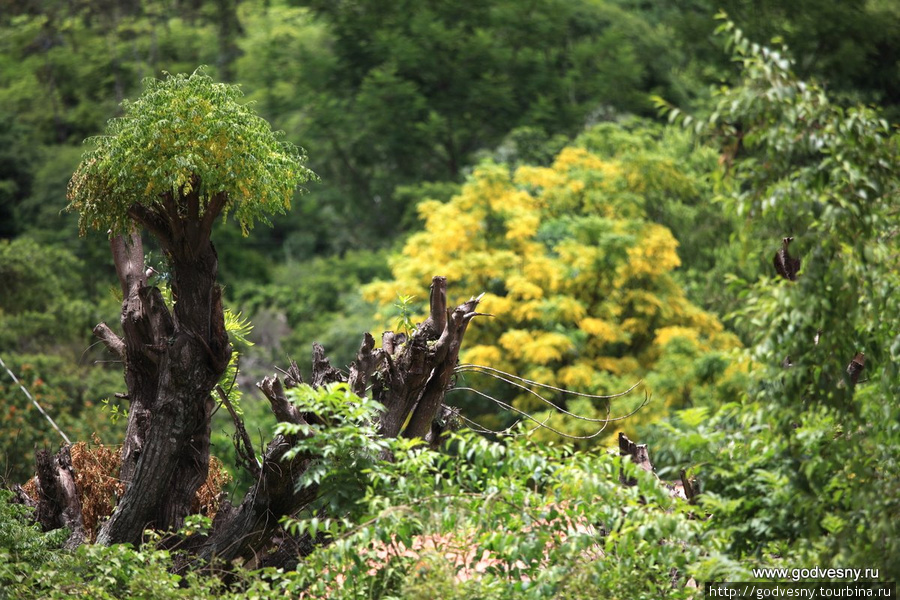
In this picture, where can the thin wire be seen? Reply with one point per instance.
(482, 429)
(33, 401)
(548, 402)
(529, 417)
(479, 428)
(472, 367)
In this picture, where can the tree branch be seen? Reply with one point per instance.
(213, 210)
(246, 454)
(437, 317)
(322, 371)
(128, 257)
(445, 354)
(367, 360)
(284, 411)
(153, 221)
(110, 339)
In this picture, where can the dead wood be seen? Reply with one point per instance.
(57, 502)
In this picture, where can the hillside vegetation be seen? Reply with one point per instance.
(577, 220)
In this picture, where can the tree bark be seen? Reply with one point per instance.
(173, 360)
(57, 503)
(409, 379)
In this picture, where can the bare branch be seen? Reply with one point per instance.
(245, 454)
(284, 411)
(367, 360)
(292, 377)
(322, 371)
(112, 341)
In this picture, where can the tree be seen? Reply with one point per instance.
(580, 283)
(804, 468)
(404, 92)
(183, 154)
(17, 161)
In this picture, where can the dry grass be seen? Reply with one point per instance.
(208, 497)
(97, 483)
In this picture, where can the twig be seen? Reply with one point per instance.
(247, 454)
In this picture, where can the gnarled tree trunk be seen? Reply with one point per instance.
(410, 379)
(57, 498)
(173, 359)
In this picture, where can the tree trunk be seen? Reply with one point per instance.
(57, 499)
(173, 359)
(409, 379)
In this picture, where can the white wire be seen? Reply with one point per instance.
(33, 401)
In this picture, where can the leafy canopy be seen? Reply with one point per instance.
(804, 470)
(580, 280)
(186, 134)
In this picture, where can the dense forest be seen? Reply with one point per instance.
(582, 225)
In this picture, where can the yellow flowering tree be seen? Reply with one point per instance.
(581, 286)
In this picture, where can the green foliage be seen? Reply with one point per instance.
(238, 330)
(23, 546)
(46, 301)
(404, 307)
(110, 572)
(396, 101)
(846, 44)
(186, 134)
(673, 175)
(70, 393)
(508, 520)
(804, 469)
(393, 94)
(823, 174)
(47, 314)
(316, 300)
(33, 299)
(115, 411)
(343, 444)
(18, 158)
